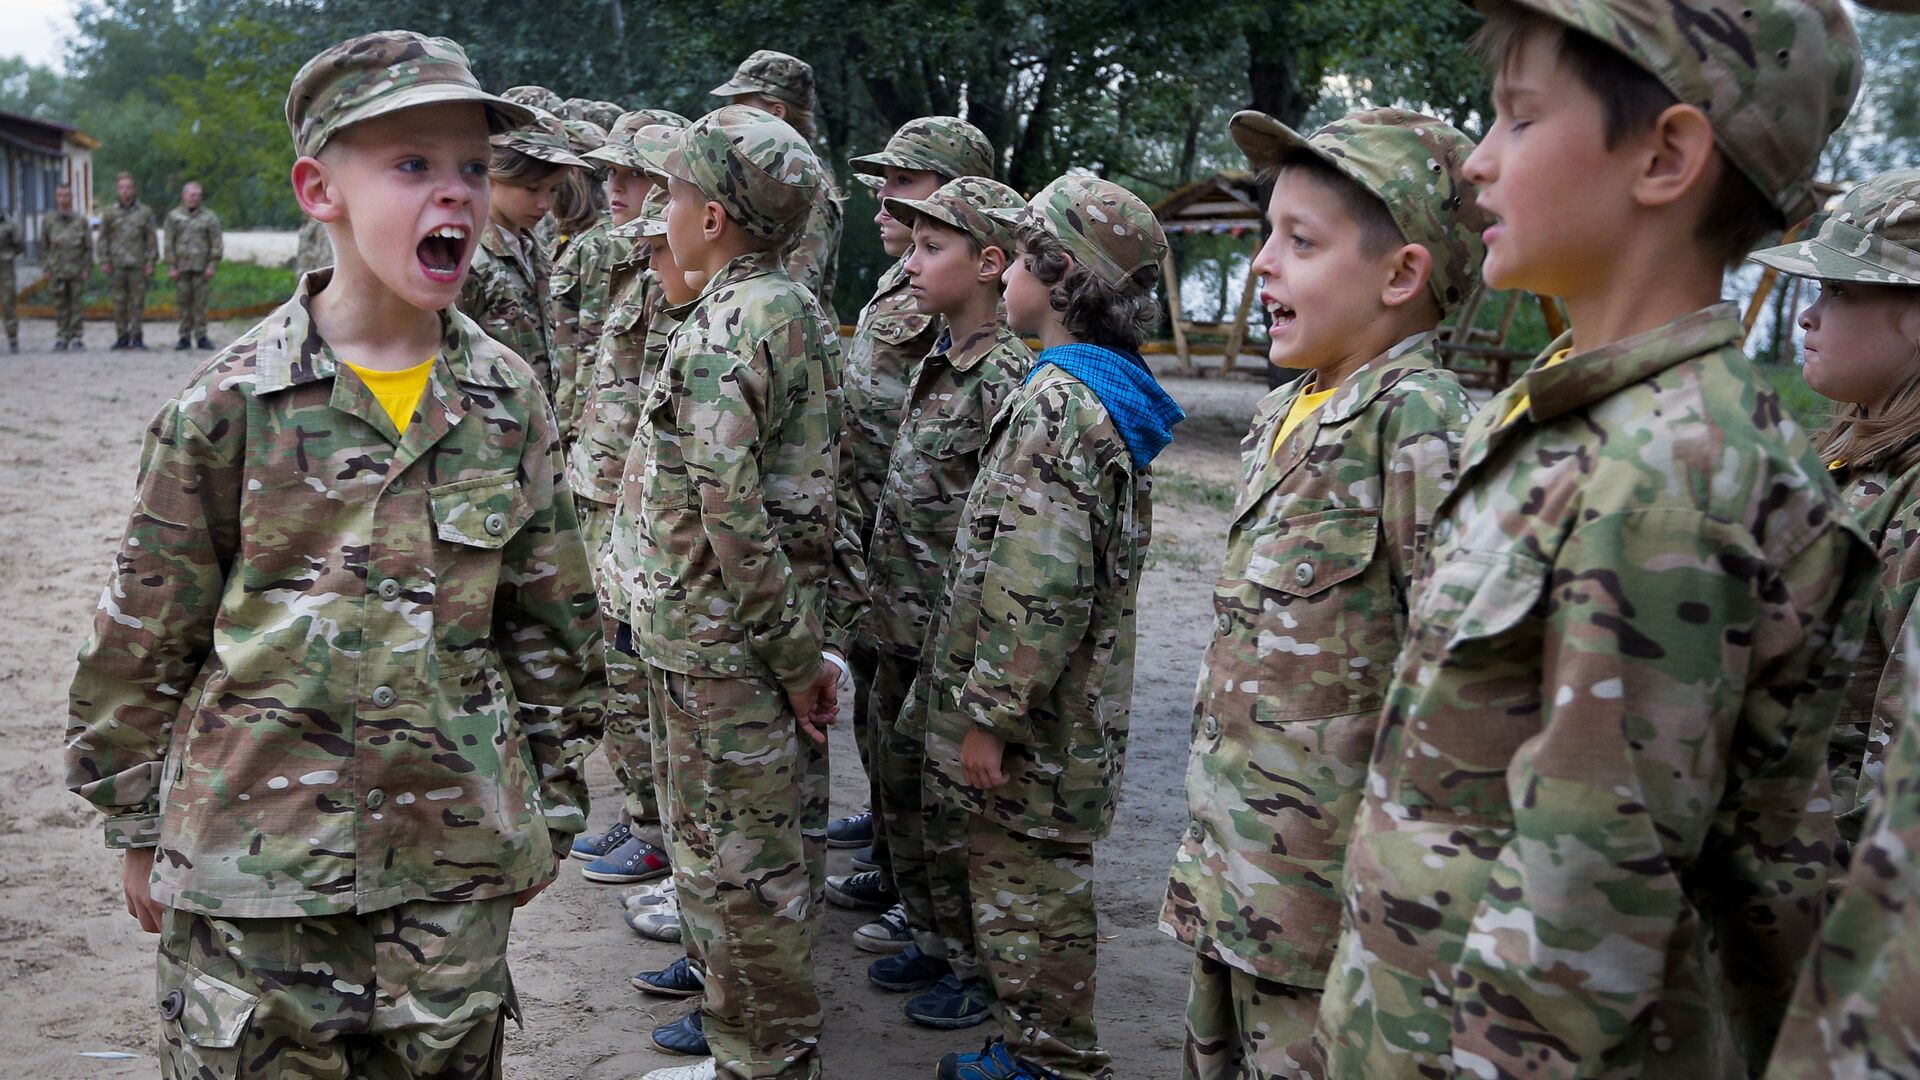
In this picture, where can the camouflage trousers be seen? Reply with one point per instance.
(1243, 1027)
(9, 301)
(417, 990)
(129, 285)
(746, 822)
(862, 659)
(67, 306)
(938, 911)
(1035, 930)
(190, 291)
(629, 734)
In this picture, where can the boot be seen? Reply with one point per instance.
(119, 343)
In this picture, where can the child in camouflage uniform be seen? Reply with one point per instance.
(734, 540)
(890, 337)
(958, 255)
(1594, 837)
(1027, 678)
(1863, 351)
(506, 289)
(1375, 240)
(340, 739)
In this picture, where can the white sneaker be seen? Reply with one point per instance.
(650, 894)
(703, 1069)
(660, 922)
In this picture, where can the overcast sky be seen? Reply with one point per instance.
(36, 29)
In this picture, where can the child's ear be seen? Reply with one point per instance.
(713, 223)
(993, 263)
(1673, 156)
(314, 187)
(1409, 268)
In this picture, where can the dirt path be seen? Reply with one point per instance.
(78, 973)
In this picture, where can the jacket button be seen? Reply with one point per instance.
(172, 1006)
(384, 697)
(375, 798)
(389, 589)
(1303, 573)
(1197, 831)
(1211, 727)
(496, 524)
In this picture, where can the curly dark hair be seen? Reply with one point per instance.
(1092, 310)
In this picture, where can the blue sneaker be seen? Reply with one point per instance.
(863, 859)
(851, 832)
(683, 1036)
(591, 846)
(678, 979)
(993, 1062)
(635, 860)
(907, 971)
(951, 1004)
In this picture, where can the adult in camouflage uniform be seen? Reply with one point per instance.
(1594, 838)
(891, 336)
(1328, 528)
(1032, 645)
(955, 393)
(350, 714)
(1871, 240)
(314, 251)
(127, 248)
(12, 246)
(193, 254)
(66, 245)
(507, 285)
(783, 85)
(735, 530)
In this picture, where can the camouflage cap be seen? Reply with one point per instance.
(632, 145)
(963, 204)
(544, 137)
(599, 113)
(1412, 163)
(584, 135)
(652, 221)
(537, 97)
(750, 162)
(380, 73)
(775, 74)
(1775, 77)
(1106, 227)
(946, 145)
(1873, 236)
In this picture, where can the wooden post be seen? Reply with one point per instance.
(1237, 337)
(1550, 311)
(1768, 279)
(1170, 278)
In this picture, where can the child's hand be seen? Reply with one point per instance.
(980, 755)
(817, 707)
(136, 879)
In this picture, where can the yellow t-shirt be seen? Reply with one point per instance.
(1520, 404)
(1303, 407)
(398, 392)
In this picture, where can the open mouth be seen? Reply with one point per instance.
(441, 252)
(1279, 315)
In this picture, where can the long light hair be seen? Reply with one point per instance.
(1887, 439)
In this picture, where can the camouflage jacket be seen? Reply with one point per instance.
(66, 246)
(619, 567)
(1595, 835)
(1888, 506)
(736, 488)
(1310, 609)
(1034, 637)
(1856, 1011)
(321, 645)
(619, 379)
(128, 237)
(316, 248)
(12, 244)
(812, 253)
(956, 392)
(505, 293)
(579, 293)
(891, 338)
(193, 239)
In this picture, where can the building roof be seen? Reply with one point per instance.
(1226, 202)
(50, 135)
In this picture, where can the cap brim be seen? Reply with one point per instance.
(1013, 216)
(553, 155)
(878, 164)
(871, 182)
(502, 115)
(733, 88)
(906, 211)
(615, 154)
(1831, 264)
(1265, 140)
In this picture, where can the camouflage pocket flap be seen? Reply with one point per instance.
(899, 327)
(950, 441)
(1311, 554)
(210, 1013)
(1480, 594)
(621, 320)
(483, 512)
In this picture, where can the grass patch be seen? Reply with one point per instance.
(1809, 408)
(1181, 487)
(1169, 552)
(235, 285)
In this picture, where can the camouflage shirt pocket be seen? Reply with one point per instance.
(1319, 631)
(203, 1019)
(665, 484)
(1306, 556)
(1473, 598)
(483, 512)
(898, 328)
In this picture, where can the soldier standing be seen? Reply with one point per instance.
(68, 257)
(127, 253)
(193, 254)
(12, 246)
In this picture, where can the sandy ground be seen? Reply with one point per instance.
(78, 973)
